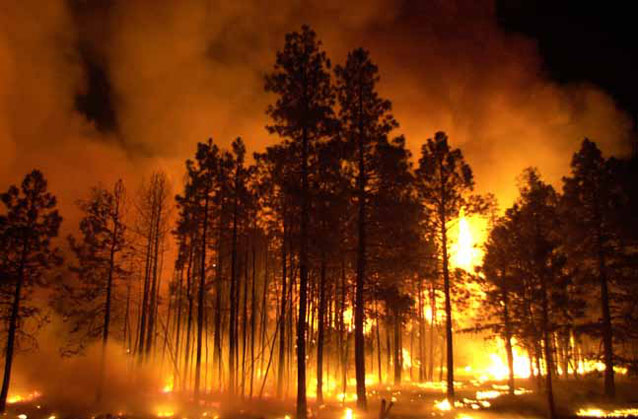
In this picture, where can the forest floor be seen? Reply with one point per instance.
(474, 400)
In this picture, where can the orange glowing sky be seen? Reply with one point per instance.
(180, 72)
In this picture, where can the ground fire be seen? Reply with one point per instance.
(220, 210)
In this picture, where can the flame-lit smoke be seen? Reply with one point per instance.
(188, 71)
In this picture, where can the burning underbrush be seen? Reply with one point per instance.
(475, 399)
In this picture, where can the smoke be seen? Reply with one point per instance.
(180, 72)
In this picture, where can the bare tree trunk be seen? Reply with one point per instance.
(610, 388)
(320, 337)
(232, 331)
(398, 358)
(189, 322)
(282, 321)
(107, 302)
(359, 313)
(508, 339)
(448, 315)
(244, 324)
(548, 353)
(303, 281)
(13, 326)
(201, 291)
(253, 319)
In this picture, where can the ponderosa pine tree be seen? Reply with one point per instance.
(538, 226)
(365, 120)
(591, 201)
(444, 180)
(88, 303)
(30, 222)
(301, 115)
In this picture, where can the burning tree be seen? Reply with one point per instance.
(26, 230)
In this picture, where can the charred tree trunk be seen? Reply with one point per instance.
(359, 312)
(610, 388)
(282, 314)
(321, 326)
(201, 291)
(107, 302)
(508, 337)
(448, 302)
(232, 325)
(13, 326)
(548, 351)
(398, 358)
(303, 281)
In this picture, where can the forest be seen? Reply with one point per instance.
(333, 274)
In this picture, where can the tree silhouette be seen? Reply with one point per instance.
(301, 114)
(365, 120)
(26, 229)
(443, 181)
(592, 201)
(100, 254)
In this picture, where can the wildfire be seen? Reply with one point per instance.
(600, 413)
(18, 398)
(443, 405)
(470, 235)
(168, 386)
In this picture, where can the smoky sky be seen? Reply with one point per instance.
(95, 90)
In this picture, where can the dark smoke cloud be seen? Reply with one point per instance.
(94, 90)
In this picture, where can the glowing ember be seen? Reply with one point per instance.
(19, 398)
(600, 413)
(443, 405)
(165, 414)
(488, 394)
(168, 387)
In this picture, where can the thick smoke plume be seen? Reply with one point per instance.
(180, 72)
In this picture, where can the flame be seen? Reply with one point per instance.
(18, 398)
(407, 359)
(470, 235)
(600, 413)
(443, 405)
(168, 386)
(348, 414)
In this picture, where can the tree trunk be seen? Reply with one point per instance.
(107, 308)
(253, 325)
(548, 353)
(282, 314)
(448, 310)
(508, 339)
(303, 282)
(398, 361)
(359, 312)
(13, 326)
(320, 337)
(610, 388)
(200, 300)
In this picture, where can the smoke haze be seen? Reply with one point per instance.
(95, 90)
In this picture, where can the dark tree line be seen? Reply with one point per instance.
(559, 268)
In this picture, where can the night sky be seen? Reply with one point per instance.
(582, 41)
